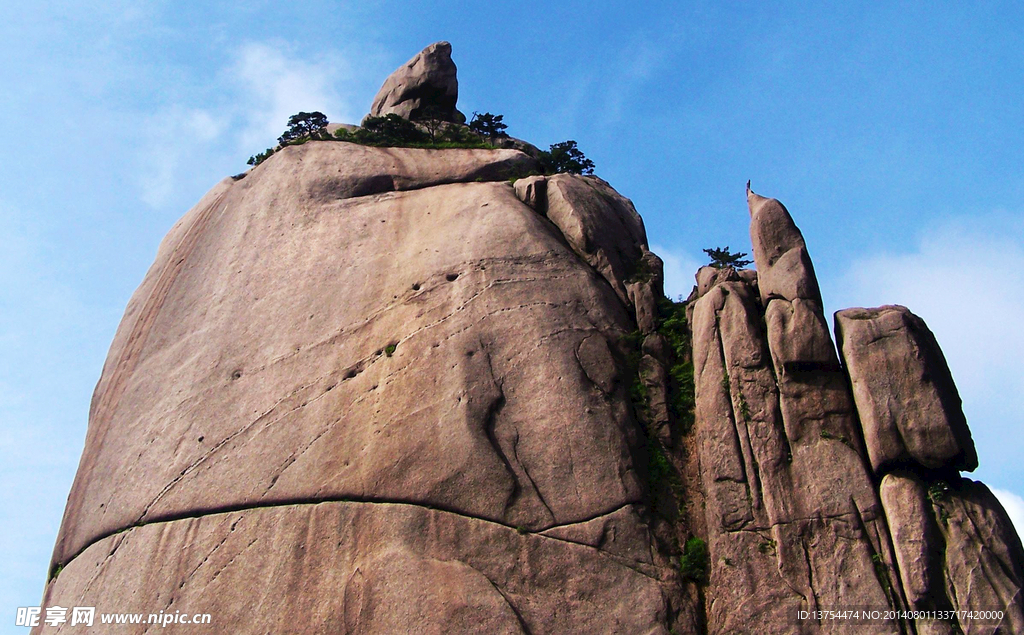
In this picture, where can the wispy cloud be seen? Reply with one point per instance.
(604, 91)
(965, 278)
(43, 317)
(259, 86)
(628, 75)
(173, 138)
(273, 82)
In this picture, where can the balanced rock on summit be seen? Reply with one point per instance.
(426, 83)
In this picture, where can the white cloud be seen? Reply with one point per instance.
(966, 279)
(680, 269)
(1014, 506)
(628, 74)
(275, 83)
(260, 85)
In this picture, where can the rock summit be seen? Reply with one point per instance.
(425, 85)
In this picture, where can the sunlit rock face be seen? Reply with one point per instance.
(395, 390)
(836, 485)
(426, 85)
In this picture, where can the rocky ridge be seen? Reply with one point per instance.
(359, 372)
(818, 496)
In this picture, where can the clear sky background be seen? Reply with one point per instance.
(892, 131)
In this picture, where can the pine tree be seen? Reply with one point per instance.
(722, 257)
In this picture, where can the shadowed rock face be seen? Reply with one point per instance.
(382, 390)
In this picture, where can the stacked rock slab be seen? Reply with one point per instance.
(782, 459)
(909, 406)
(955, 546)
(358, 372)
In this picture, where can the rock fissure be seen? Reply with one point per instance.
(124, 532)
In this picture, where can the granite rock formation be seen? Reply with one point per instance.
(426, 83)
(388, 390)
(909, 406)
(822, 497)
(366, 339)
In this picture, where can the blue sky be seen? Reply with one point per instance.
(893, 132)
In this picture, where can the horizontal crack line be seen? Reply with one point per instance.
(229, 509)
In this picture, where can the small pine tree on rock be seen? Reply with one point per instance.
(488, 125)
(721, 257)
(565, 157)
(303, 124)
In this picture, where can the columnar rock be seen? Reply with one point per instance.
(792, 519)
(784, 268)
(780, 459)
(426, 84)
(909, 406)
(916, 539)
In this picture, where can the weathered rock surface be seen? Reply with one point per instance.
(918, 548)
(708, 277)
(308, 334)
(792, 520)
(784, 267)
(790, 509)
(426, 82)
(954, 538)
(909, 406)
(347, 567)
(380, 390)
(243, 328)
(599, 223)
(984, 557)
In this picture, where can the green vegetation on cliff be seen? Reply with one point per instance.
(430, 131)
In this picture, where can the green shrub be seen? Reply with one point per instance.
(393, 131)
(694, 561)
(658, 467)
(257, 159)
(938, 492)
(565, 157)
(882, 572)
(672, 326)
(488, 125)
